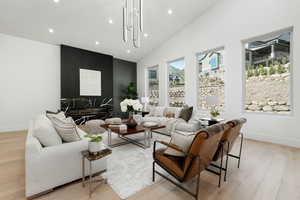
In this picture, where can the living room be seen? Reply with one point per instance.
(197, 100)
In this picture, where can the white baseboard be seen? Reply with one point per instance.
(292, 142)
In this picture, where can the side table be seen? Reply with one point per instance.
(93, 157)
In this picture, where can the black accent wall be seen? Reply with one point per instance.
(116, 74)
(124, 73)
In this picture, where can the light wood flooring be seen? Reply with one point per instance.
(268, 172)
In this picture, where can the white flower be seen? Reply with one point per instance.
(135, 104)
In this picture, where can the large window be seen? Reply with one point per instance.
(153, 85)
(176, 83)
(211, 78)
(267, 62)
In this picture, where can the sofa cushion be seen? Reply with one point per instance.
(186, 113)
(66, 128)
(160, 120)
(191, 126)
(176, 164)
(175, 110)
(182, 139)
(45, 132)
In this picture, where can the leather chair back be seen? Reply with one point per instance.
(204, 145)
(229, 137)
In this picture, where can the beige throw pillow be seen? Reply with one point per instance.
(181, 139)
(66, 128)
(45, 132)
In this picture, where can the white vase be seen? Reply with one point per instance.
(95, 147)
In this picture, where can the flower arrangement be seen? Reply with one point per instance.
(131, 105)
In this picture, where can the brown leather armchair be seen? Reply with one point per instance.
(228, 139)
(197, 159)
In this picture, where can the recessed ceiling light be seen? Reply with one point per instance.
(146, 35)
(97, 43)
(128, 51)
(51, 30)
(110, 21)
(56, 1)
(170, 11)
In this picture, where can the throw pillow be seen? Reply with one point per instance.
(181, 139)
(175, 110)
(186, 113)
(170, 115)
(45, 132)
(66, 128)
(159, 111)
(52, 112)
(60, 115)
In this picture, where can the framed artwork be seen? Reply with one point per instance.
(90, 82)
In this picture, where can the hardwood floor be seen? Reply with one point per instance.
(268, 172)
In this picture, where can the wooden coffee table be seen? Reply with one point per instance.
(139, 129)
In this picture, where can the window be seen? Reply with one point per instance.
(176, 83)
(267, 63)
(211, 78)
(153, 86)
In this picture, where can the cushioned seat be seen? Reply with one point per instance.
(175, 164)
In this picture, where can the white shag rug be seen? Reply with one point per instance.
(129, 167)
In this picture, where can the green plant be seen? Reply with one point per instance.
(250, 73)
(130, 92)
(263, 71)
(214, 112)
(284, 60)
(256, 72)
(281, 69)
(272, 70)
(94, 138)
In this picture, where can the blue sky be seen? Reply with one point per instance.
(179, 64)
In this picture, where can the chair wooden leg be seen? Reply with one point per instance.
(153, 171)
(221, 166)
(226, 164)
(197, 189)
(241, 147)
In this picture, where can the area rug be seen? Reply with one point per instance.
(129, 167)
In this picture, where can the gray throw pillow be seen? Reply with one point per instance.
(186, 113)
(66, 129)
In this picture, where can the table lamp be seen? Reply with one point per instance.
(145, 101)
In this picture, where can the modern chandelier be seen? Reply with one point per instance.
(133, 21)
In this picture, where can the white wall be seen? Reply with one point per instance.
(29, 81)
(227, 24)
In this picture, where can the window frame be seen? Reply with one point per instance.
(197, 81)
(154, 67)
(168, 81)
(291, 85)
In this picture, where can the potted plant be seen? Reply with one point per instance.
(95, 143)
(130, 106)
(214, 113)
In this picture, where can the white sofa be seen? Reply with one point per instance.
(49, 167)
(158, 114)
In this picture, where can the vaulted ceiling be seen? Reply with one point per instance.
(80, 23)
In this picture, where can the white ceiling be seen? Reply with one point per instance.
(80, 23)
